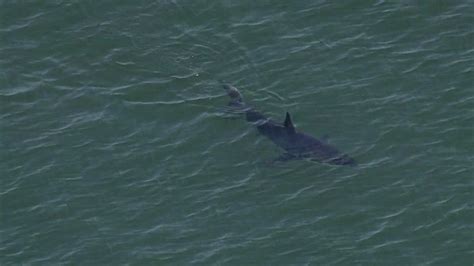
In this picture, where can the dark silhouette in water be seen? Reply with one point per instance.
(297, 145)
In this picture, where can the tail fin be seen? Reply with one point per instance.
(234, 94)
(238, 106)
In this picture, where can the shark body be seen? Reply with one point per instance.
(297, 145)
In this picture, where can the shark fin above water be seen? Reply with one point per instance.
(289, 124)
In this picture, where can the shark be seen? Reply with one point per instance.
(295, 144)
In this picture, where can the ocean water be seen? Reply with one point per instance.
(116, 148)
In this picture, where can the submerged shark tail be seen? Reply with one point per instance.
(237, 104)
(235, 96)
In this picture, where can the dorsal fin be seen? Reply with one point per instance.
(288, 124)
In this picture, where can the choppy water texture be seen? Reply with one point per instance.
(115, 148)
